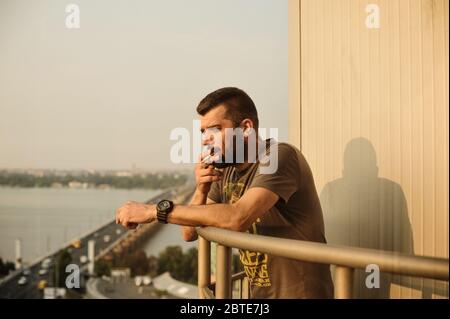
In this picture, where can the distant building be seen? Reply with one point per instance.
(124, 174)
(75, 184)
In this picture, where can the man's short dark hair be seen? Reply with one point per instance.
(238, 104)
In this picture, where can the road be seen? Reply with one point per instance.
(10, 289)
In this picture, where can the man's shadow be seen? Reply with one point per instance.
(364, 210)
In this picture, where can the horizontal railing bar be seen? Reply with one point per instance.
(387, 261)
(238, 276)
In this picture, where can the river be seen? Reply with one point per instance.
(45, 218)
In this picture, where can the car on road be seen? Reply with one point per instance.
(42, 284)
(26, 272)
(83, 259)
(138, 281)
(146, 280)
(76, 244)
(142, 281)
(46, 263)
(22, 281)
(43, 271)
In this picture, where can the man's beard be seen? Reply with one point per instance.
(235, 159)
(225, 162)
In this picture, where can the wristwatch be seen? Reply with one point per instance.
(163, 208)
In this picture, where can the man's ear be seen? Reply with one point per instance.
(247, 127)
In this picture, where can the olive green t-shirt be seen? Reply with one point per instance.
(296, 215)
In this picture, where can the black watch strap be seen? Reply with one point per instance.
(163, 208)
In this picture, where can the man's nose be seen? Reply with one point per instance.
(206, 142)
(208, 139)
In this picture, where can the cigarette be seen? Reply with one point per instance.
(207, 159)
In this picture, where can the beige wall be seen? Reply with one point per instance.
(369, 110)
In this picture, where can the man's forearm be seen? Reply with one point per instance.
(226, 216)
(189, 232)
(238, 216)
(217, 215)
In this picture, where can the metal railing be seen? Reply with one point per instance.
(239, 285)
(346, 259)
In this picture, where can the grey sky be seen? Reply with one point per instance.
(107, 95)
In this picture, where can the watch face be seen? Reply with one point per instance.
(163, 205)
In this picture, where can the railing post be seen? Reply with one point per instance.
(245, 293)
(223, 272)
(343, 282)
(204, 265)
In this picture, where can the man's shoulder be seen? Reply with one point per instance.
(286, 147)
(279, 157)
(284, 150)
(289, 155)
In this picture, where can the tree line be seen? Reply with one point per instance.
(145, 181)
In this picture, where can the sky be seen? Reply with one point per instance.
(108, 94)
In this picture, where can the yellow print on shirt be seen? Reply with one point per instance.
(255, 263)
(255, 266)
(233, 192)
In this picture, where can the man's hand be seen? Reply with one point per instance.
(205, 175)
(131, 214)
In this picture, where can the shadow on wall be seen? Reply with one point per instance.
(364, 210)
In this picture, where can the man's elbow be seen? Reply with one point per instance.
(190, 237)
(237, 227)
(240, 220)
(189, 234)
(239, 224)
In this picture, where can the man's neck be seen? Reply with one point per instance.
(243, 166)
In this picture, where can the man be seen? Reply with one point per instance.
(243, 196)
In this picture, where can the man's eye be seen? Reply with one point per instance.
(207, 135)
